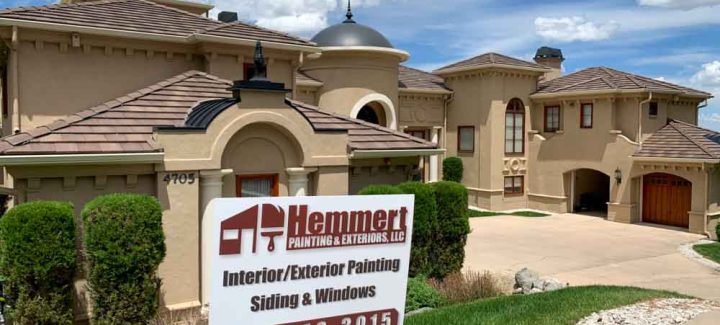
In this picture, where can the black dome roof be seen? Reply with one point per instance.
(350, 33)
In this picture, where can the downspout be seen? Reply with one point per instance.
(640, 115)
(707, 204)
(14, 88)
(449, 99)
(697, 111)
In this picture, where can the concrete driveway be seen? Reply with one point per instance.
(583, 250)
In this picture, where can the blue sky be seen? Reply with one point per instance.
(676, 40)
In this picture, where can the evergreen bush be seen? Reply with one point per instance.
(37, 262)
(424, 226)
(452, 169)
(380, 190)
(125, 244)
(453, 228)
(421, 294)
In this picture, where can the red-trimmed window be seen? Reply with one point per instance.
(552, 118)
(248, 71)
(259, 185)
(466, 139)
(515, 127)
(514, 185)
(586, 116)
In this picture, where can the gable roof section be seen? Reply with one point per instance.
(490, 60)
(410, 78)
(683, 141)
(602, 79)
(126, 124)
(141, 16)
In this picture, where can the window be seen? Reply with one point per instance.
(514, 185)
(653, 109)
(248, 71)
(586, 116)
(552, 118)
(515, 127)
(466, 138)
(257, 185)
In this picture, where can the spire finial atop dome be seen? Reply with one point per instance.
(349, 14)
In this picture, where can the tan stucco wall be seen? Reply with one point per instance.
(421, 110)
(480, 100)
(349, 76)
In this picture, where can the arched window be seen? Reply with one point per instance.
(515, 127)
(372, 113)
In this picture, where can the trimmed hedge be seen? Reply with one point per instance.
(37, 261)
(424, 226)
(380, 190)
(452, 169)
(453, 225)
(125, 244)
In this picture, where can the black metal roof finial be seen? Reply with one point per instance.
(349, 14)
(260, 66)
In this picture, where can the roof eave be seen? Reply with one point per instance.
(676, 159)
(394, 153)
(83, 159)
(191, 4)
(400, 54)
(489, 66)
(425, 91)
(615, 92)
(309, 83)
(192, 39)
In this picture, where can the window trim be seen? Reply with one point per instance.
(423, 131)
(514, 112)
(521, 190)
(592, 115)
(275, 178)
(545, 122)
(459, 135)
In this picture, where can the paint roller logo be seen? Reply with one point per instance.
(271, 224)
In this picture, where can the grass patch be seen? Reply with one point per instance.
(710, 251)
(529, 214)
(565, 306)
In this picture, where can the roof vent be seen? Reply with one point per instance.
(228, 16)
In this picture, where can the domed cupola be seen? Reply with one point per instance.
(350, 34)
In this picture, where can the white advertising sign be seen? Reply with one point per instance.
(309, 260)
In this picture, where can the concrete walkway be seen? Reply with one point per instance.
(584, 250)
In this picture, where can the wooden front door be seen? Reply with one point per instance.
(666, 200)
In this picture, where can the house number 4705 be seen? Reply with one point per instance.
(179, 178)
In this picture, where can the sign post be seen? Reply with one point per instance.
(309, 260)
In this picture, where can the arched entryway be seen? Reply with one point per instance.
(666, 200)
(590, 191)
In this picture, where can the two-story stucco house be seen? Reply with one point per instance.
(151, 96)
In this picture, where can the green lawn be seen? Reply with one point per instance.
(565, 306)
(478, 214)
(710, 251)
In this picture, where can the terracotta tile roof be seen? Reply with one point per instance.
(606, 79)
(681, 140)
(143, 16)
(490, 59)
(126, 124)
(362, 135)
(418, 79)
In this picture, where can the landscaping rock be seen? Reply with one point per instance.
(658, 311)
(553, 284)
(418, 311)
(525, 279)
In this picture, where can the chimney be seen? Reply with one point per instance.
(551, 58)
(228, 16)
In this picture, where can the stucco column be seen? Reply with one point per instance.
(210, 188)
(298, 180)
(433, 175)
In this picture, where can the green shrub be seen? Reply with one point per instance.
(37, 261)
(424, 226)
(452, 169)
(125, 244)
(717, 231)
(420, 294)
(379, 190)
(453, 228)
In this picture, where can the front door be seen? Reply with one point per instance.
(260, 185)
(666, 200)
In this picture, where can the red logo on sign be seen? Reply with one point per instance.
(231, 228)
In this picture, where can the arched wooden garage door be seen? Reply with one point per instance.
(666, 199)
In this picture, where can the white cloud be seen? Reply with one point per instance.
(708, 78)
(680, 4)
(710, 117)
(570, 29)
(300, 17)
